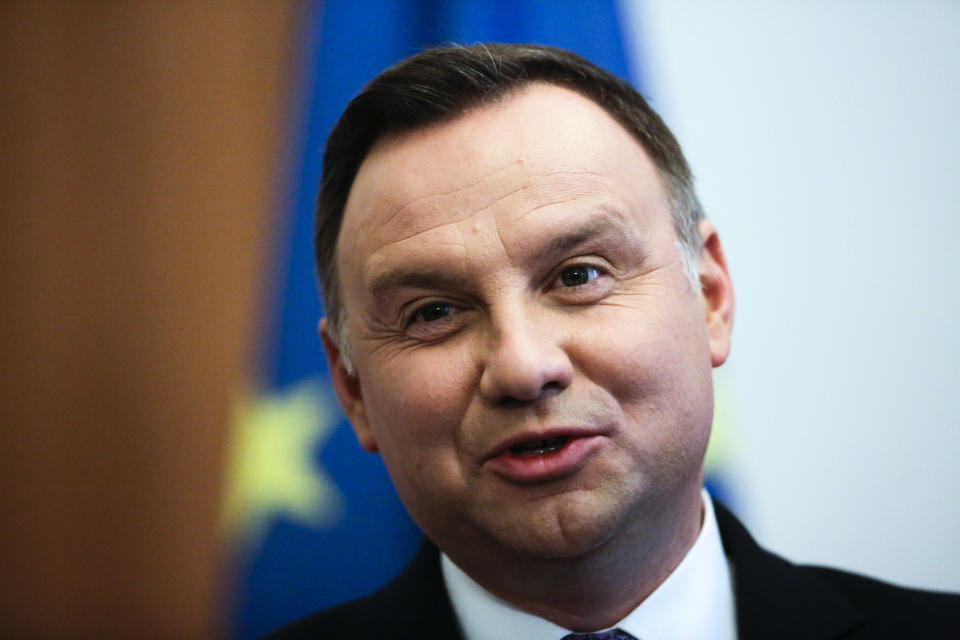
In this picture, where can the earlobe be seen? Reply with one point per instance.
(347, 387)
(716, 289)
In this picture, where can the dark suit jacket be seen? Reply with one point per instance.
(774, 599)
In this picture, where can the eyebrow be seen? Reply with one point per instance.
(429, 277)
(601, 226)
(415, 277)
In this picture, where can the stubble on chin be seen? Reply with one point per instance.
(566, 525)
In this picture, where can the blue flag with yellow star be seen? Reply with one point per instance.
(314, 519)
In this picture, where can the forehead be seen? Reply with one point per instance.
(540, 155)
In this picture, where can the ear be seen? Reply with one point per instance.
(716, 290)
(347, 387)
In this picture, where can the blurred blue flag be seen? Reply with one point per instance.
(315, 518)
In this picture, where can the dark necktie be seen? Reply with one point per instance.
(613, 634)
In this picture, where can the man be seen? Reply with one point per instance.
(524, 306)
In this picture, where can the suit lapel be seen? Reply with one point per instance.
(416, 604)
(777, 599)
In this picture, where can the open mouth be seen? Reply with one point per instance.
(537, 460)
(539, 447)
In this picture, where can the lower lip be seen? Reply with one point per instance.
(542, 467)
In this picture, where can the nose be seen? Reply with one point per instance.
(526, 362)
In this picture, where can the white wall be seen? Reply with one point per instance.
(826, 141)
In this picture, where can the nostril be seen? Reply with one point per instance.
(509, 402)
(549, 389)
(553, 386)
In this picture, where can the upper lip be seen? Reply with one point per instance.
(534, 435)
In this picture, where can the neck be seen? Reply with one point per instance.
(596, 589)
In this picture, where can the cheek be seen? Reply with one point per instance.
(657, 367)
(416, 402)
(638, 352)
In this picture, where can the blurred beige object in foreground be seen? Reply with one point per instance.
(141, 146)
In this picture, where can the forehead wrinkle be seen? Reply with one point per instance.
(535, 187)
(567, 192)
(609, 220)
(456, 221)
(384, 274)
(609, 223)
(403, 208)
(528, 184)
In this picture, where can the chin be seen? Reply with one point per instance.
(567, 528)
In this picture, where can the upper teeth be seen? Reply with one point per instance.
(538, 446)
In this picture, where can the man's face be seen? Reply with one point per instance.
(531, 360)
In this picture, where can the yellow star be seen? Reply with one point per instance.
(722, 449)
(272, 468)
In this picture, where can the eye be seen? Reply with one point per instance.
(578, 275)
(435, 321)
(433, 312)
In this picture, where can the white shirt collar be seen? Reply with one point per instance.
(694, 602)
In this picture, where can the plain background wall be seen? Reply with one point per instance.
(826, 141)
